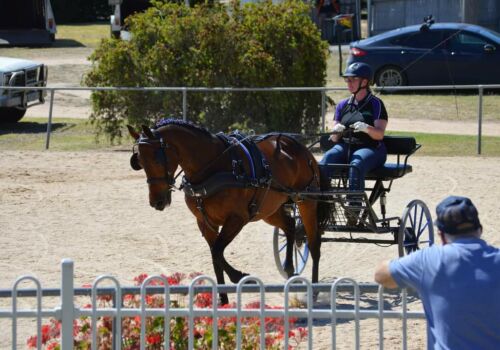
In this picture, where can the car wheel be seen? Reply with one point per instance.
(11, 114)
(390, 76)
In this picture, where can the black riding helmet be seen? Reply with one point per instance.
(359, 69)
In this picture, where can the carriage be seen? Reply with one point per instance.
(231, 180)
(411, 231)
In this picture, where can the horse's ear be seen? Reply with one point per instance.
(133, 133)
(134, 162)
(147, 131)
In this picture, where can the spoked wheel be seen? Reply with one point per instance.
(416, 230)
(300, 248)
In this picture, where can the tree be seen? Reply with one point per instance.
(256, 45)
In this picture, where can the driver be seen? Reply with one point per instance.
(358, 128)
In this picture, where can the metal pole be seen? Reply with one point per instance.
(49, 123)
(184, 104)
(67, 306)
(479, 119)
(358, 20)
(370, 18)
(339, 38)
(323, 102)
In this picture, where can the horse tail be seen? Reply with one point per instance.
(326, 208)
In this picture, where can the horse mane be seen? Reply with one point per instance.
(180, 122)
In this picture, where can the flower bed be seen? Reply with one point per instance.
(131, 326)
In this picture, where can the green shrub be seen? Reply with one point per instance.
(256, 45)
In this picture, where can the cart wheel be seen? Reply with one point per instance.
(300, 247)
(416, 230)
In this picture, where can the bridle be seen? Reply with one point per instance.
(161, 158)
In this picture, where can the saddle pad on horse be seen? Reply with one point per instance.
(259, 169)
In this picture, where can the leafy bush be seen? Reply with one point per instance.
(256, 45)
(179, 327)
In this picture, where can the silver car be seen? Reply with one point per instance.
(20, 72)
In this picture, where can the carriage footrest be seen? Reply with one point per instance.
(359, 240)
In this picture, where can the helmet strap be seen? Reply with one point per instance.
(360, 87)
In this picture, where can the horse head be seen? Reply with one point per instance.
(152, 153)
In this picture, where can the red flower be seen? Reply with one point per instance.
(203, 300)
(53, 346)
(139, 279)
(153, 339)
(45, 333)
(137, 320)
(176, 278)
(32, 341)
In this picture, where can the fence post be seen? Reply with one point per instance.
(49, 123)
(184, 104)
(67, 306)
(479, 119)
(323, 102)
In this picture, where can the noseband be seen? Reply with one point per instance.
(161, 158)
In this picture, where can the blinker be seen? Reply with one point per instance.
(134, 162)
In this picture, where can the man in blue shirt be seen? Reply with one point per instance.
(458, 282)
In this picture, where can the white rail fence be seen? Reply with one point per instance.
(322, 90)
(67, 312)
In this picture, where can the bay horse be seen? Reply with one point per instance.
(221, 215)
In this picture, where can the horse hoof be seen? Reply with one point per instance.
(247, 282)
(236, 278)
(251, 282)
(224, 300)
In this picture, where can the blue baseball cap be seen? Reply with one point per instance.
(457, 215)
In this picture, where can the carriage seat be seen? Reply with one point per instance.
(399, 146)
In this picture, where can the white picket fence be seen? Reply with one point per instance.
(67, 312)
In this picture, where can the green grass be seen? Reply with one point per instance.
(71, 39)
(89, 34)
(67, 135)
(78, 135)
(453, 145)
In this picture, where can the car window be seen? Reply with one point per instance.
(422, 40)
(467, 42)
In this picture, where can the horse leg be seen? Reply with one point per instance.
(308, 213)
(211, 236)
(287, 225)
(229, 231)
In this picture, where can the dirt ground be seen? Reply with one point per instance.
(91, 207)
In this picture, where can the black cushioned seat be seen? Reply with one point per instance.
(389, 171)
(400, 146)
(396, 145)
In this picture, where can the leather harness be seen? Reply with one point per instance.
(259, 175)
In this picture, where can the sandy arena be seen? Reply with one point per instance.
(93, 208)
